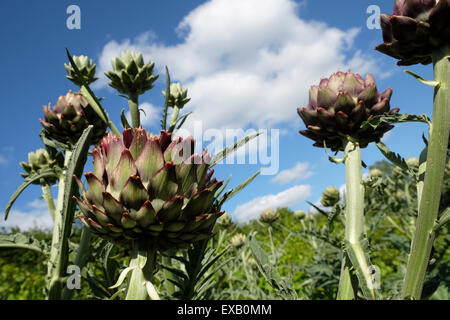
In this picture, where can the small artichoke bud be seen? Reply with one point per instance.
(375, 173)
(178, 96)
(299, 214)
(269, 216)
(39, 161)
(252, 263)
(224, 220)
(412, 163)
(86, 68)
(130, 75)
(330, 196)
(238, 240)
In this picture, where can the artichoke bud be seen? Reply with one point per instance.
(375, 173)
(330, 196)
(299, 214)
(414, 30)
(224, 220)
(137, 192)
(41, 160)
(339, 105)
(269, 216)
(178, 96)
(238, 240)
(86, 67)
(413, 163)
(70, 116)
(130, 74)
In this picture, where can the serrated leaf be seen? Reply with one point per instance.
(395, 158)
(240, 187)
(422, 80)
(52, 143)
(29, 180)
(21, 241)
(181, 120)
(386, 119)
(227, 151)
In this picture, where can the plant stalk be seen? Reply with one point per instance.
(54, 282)
(133, 103)
(174, 119)
(81, 258)
(432, 187)
(354, 218)
(47, 194)
(143, 260)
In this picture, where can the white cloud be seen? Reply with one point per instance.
(299, 172)
(37, 216)
(253, 208)
(247, 63)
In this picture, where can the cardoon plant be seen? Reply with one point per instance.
(418, 31)
(337, 108)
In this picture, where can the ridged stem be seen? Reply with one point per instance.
(133, 103)
(54, 284)
(47, 194)
(80, 259)
(143, 262)
(431, 193)
(174, 119)
(354, 215)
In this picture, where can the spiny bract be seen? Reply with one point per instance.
(339, 105)
(86, 68)
(71, 115)
(415, 29)
(40, 161)
(151, 188)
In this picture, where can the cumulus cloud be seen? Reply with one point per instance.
(299, 172)
(247, 63)
(35, 216)
(253, 208)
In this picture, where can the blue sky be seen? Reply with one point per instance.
(247, 64)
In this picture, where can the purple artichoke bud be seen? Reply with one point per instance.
(415, 29)
(69, 117)
(138, 190)
(338, 107)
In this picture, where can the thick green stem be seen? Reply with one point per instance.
(354, 225)
(174, 119)
(431, 194)
(54, 284)
(143, 262)
(81, 258)
(47, 194)
(133, 103)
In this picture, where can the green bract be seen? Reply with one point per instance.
(86, 68)
(415, 29)
(151, 188)
(69, 117)
(39, 161)
(339, 105)
(130, 75)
